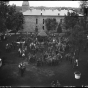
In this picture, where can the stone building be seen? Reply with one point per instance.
(35, 17)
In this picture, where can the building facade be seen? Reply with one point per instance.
(31, 22)
(36, 17)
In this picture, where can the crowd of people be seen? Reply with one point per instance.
(51, 51)
(45, 51)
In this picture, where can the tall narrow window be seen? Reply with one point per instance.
(36, 21)
(43, 27)
(43, 21)
(36, 29)
(60, 20)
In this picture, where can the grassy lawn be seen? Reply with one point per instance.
(43, 76)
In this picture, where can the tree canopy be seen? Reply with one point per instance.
(10, 19)
(84, 7)
(70, 20)
(77, 29)
(51, 24)
(59, 29)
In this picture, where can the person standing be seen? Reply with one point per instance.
(76, 62)
(23, 54)
(22, 68)
(19, 51)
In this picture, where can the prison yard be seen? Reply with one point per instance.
(43, 46)
(47, 62)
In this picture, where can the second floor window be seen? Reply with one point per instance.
(43, 27)
(43, 21)
(36, 21)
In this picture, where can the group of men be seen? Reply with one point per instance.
(55, 49)
(54, 52)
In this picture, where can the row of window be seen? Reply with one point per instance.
(43, 21)
(37, 21)
(42, 27)
(58, 14)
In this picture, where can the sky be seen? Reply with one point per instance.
(48, 3)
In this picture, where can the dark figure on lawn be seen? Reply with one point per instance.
(22, 69)
(75, 63)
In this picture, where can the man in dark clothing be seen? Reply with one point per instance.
(22, 69)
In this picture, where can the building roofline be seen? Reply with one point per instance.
(44, 15)
(49, 15)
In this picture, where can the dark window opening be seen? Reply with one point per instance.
(61, 20)
(41, 13)
(36, 21)
(43, 21)
(43, 27)
(36, 29)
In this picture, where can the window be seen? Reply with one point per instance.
(36, 21)
(43, 27)
(43, 21)
(36, 29)
(41, 13)
(61, 20)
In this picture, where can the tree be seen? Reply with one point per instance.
(76, 33)
(15, 19)
(51, 24)
(59, 29)
(10, 19)
(83, 4)
(3, 15)
(70, 20)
